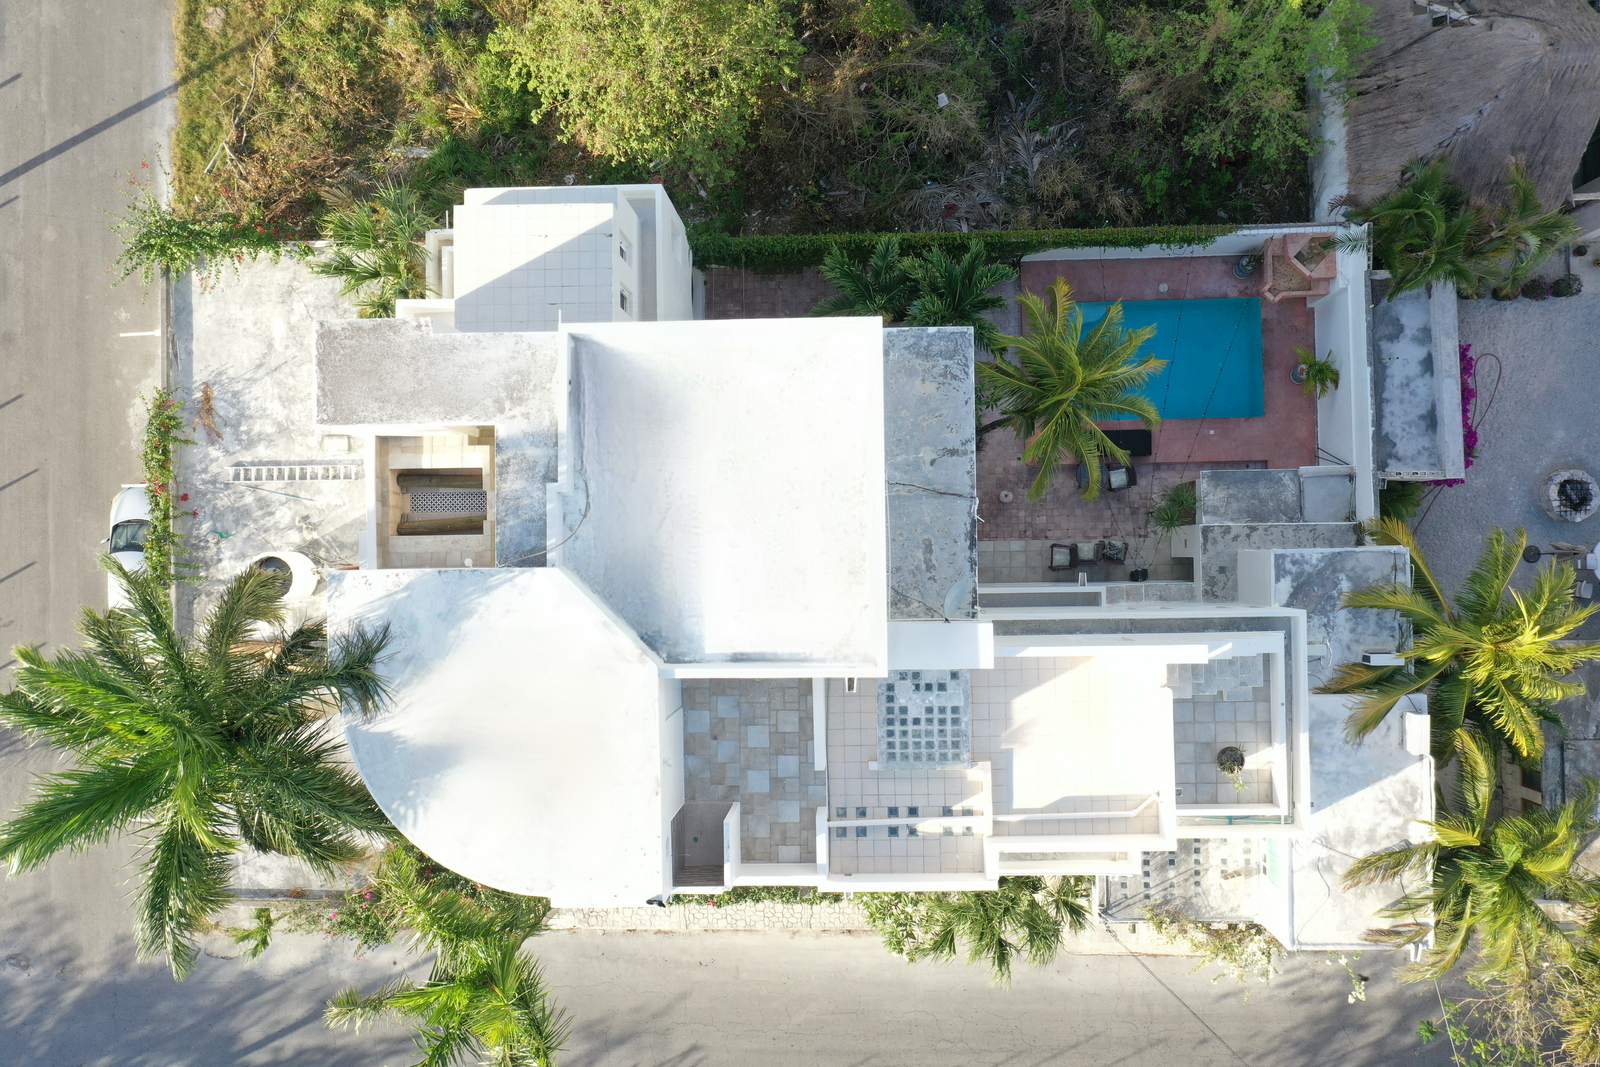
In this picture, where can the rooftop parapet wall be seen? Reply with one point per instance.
(931, 470)
(1416, 383)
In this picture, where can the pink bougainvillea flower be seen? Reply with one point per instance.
(185, 496)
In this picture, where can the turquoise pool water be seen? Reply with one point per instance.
(1212, 349)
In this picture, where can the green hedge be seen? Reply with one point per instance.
(790, 252)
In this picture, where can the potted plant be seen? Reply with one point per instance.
(1230, 761)
(1174, 508)
(1317, 374)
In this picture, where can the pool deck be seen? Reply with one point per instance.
(1286, 435)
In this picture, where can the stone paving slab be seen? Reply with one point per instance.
(761, 915)
(843, 918)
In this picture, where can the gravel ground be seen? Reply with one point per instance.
(1540, 419)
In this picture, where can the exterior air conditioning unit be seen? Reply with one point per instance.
(1383, 659)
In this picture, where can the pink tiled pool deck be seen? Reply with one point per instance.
(1286, 434)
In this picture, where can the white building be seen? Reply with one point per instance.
(679, 605)
(529, 259)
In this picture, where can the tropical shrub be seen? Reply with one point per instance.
(678, 81)
(1400, 500)
(1065, 381)
(955, 292)
(488, 1002)
(1494, 659)
(1427, 230)
(196, 745)
(1322, 374)
(1225, 78)
(1567, 285)
(377, 251)
(1242, 950)
(1535, 289)
(1025, 918)
(756, 894)
(1484, 877)
(163, 430)
(882, 286)
(1176, 507)
(203, 237)
(440, 910)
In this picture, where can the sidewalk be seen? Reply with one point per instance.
(841, 918)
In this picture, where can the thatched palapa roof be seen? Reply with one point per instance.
(1502, 78)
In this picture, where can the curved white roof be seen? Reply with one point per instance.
(522, 748)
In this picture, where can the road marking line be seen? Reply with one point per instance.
(142, 333)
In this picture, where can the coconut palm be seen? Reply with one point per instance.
(880, 287)
(1024, 917)
(1065, 381)
(1494, 658)
(1484, 877)
(955, 292)
(487, 1005)
(1521, 233)
(377, 249)
(197, 746)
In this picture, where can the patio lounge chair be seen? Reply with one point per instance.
(1118, 476)
(1063, 557)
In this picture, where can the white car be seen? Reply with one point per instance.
(130, 525)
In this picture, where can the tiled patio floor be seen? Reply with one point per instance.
(1062, 514)
(751, 741)
(1029, 561)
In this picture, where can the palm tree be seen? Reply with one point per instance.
(446, 913)
(1495, 658)
(1065, 382)
(881, 287)
(1522, 234)
(1426, 231)
(1025, 916)
(489, 1003)
(955, 292)
(195, 745)
(1485, 878)
(377, 249)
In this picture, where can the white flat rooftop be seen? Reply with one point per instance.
(722, 488)
(522, 748)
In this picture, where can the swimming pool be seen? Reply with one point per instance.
(1212, 349)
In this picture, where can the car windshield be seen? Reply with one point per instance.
(129, 536)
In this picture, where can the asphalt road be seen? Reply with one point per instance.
(84, 92)
(735, 1000)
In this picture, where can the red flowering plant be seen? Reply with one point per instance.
(413, 894)
(201, 237)
(1469, 396)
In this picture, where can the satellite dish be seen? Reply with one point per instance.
(956, 600)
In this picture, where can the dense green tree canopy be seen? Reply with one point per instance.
(675, 81)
